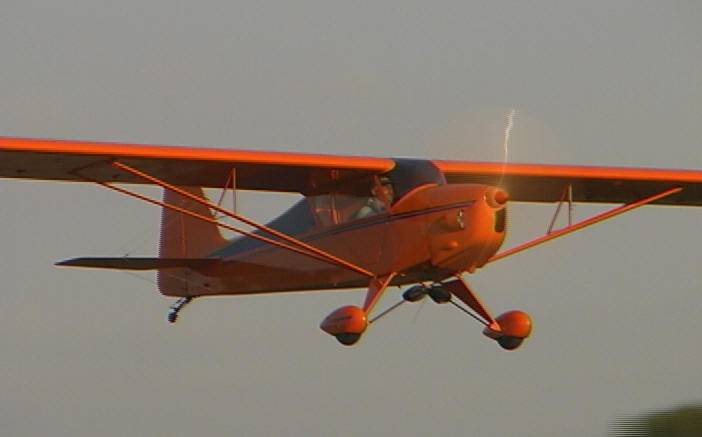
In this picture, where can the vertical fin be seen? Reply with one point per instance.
(184, 236)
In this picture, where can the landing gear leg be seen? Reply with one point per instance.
(177, 306)
(508, 329)
(461, 289)
(347, 323)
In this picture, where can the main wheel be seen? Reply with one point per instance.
(348, 338)
(439, 294)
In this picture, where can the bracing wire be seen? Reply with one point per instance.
(481, 321)
(387, 311)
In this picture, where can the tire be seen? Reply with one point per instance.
(510, 342)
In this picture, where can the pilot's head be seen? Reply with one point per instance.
(383, 190)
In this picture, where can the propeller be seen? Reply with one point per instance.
(509, 125)
(497, 196)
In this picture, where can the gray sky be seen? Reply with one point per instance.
(616, 307)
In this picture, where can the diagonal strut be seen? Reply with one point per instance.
(587, 222)
(208, 219)
(243, 219)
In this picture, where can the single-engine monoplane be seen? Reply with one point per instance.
(363, 222)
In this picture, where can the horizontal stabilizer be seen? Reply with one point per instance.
(124, 263)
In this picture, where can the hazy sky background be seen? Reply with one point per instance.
(616, 307)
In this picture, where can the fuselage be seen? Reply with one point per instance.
(429, 232)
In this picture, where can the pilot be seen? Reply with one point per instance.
(381, 199)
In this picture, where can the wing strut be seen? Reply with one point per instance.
(587, 222)
(316, 254)
(207, 219)
(230, 183)
(243, 219)
(567, 192)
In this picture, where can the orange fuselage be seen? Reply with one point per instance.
(430, 233)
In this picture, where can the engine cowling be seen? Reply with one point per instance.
(346, 324)
(511, 329)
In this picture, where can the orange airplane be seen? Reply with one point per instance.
(362, 223)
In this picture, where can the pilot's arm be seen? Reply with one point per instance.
(370, 208)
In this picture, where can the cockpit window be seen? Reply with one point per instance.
(364, 198)
(341, 207)
(412, 173)
(322, 209)
(382, 196)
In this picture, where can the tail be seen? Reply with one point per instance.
(184, 236)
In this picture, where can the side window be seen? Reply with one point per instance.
(382, 196)
(344, 206)
(322, 209)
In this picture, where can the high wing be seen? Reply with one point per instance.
(206, 167)
(313, 173)
(547, 183)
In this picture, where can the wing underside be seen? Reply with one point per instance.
(205, 167)
(548, 183)
(311, 173)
